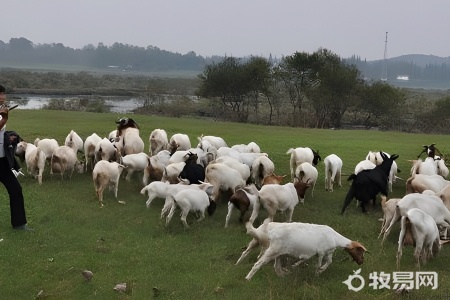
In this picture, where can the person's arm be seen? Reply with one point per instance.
(4, 116)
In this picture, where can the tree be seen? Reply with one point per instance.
(297, 73)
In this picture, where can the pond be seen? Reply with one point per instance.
(117, 104)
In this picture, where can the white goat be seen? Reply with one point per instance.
(155, 167)
(90, 144)
(233, 163)
(260, 238)
(429, 203)
(158, 141)
(74, 141)
(105, 150)
(135, 162)
(418, 183)
(251, 147)
(262, 166)
(105, 174)
(274, 197)
(172, 171)
(307, 173)
(65, 160)
(47, 145)
(388, 208)
(300, 155)
(364, 165)
(223, 178)
(216, 141)
(179, 141)
(333, 171)
(192, 200)
(289, 239)
(424, 232)
(35, 159)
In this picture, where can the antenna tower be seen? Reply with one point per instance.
(384, 68)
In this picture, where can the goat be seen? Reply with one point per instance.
(35, 159)
(128, 140)
(158, 141)
(223, 178)
(90, 144)
(192, 171)
(290, 239)
(424, 232)
(192, 200)
(251, 147)
(260, 238)
(65, 159)
(261, 167)
(419, 182)
(364, 165)
(300, 155)
(172, 172)
(273, 179)
(333, 171)
(135, 162)
(233, 163)
(106, 150)
(47, 145)
(177, 142)
(215, 141)
(74, 141)
(275, 197)
(106, 173)
(388, 208)
(306, 172)
(155, 166)
(243, 199)
(368, 183)
(429, 203)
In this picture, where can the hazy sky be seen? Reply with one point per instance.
(236, 27)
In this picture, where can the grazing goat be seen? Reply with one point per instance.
(333, 171)
(306, 172)
(90, 144)
(192, 200)
(262, 166)
(192, 171)
(105, 174)
(179, 141)
(47, 145)
(223, 178)
(35, 159)
(388, 208)
(155, 168)
(243, 199)
(300, 155)
(65, 159)
(215, 141)
(368, 183)
(429, 203)
(260, 238)
(106, 150)
(74, 141)
(274, 197)
(273, 179)
(251, 147)
(135, 162)
(158, 141)
(302, 241)
(128, 140)
(233, 163)
(422, 228)
(419, 183)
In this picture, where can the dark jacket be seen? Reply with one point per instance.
(10, 149)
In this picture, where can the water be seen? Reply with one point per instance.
(117, 104)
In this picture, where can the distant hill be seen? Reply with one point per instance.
(421, 60)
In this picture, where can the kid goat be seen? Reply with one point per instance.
(368, 183)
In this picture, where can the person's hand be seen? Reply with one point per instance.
(17, 173)
(4, 110)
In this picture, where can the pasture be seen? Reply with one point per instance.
(128, 243)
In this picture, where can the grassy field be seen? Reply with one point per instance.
(128, 243)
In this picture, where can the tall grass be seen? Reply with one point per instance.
(128, 243)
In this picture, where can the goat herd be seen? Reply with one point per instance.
(195, 179)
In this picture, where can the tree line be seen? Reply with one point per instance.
(316, 90)
(152, 58)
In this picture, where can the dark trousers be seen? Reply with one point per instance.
(16, 201)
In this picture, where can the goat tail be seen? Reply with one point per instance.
(409, 188)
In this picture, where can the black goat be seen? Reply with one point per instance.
(368, 183)
(193, 171)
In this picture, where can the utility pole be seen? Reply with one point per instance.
(384, 64)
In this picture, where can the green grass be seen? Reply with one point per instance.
(129, 243)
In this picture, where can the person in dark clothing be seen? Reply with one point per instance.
(10, 169)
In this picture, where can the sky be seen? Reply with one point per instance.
(237, 27)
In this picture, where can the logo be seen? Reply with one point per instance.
(349, 281)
